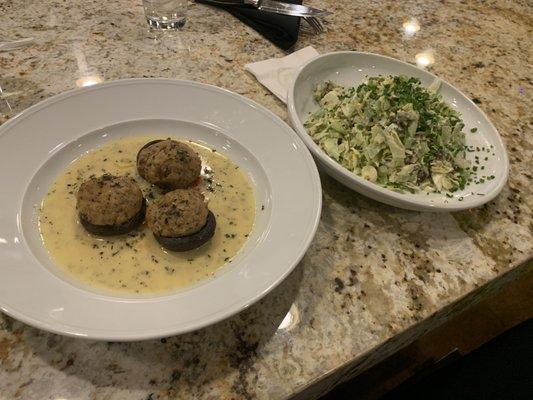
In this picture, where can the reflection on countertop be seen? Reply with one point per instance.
(425, 58)
(411, 26)
(374, 274)
(88, 80)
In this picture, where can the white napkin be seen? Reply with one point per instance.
(276, 73)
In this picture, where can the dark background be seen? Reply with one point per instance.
(484, 353)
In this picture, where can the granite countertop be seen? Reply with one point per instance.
(375, 277)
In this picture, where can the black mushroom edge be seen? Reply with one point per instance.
(145, 146)
(112, 230)
(192, 241)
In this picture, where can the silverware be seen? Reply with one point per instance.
(315, 24)
(274, 6)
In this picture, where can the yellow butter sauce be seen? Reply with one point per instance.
(135, 262)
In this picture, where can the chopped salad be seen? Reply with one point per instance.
(392, 131)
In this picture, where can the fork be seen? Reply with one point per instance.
(315, 24)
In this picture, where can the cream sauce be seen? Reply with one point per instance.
(135, 262)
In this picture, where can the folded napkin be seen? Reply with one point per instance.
(276, 74)
(282, 30)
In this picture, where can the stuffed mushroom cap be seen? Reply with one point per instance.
(110, 204)
(178, 213)
(169, 164)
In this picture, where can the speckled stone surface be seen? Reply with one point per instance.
(374, 278)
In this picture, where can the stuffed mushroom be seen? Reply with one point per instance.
(169, 164)
(180, 220)
(110, 205)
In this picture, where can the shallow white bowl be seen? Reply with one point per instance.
(350, 69)
(39, 143)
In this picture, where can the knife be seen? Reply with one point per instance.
(274, 6)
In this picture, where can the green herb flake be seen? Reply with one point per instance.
(394, 132)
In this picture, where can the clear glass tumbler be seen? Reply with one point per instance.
(165, 14)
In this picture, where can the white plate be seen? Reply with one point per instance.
(350, 69)
(41, 141)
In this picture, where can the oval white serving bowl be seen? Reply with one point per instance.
(351, 69)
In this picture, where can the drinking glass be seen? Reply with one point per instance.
(165, 14)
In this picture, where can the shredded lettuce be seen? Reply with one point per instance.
(393, 131)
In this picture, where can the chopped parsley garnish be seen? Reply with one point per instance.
(393, 131)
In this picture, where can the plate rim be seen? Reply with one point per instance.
(235, 307)
(377, 191)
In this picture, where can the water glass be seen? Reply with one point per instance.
(165, 14)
